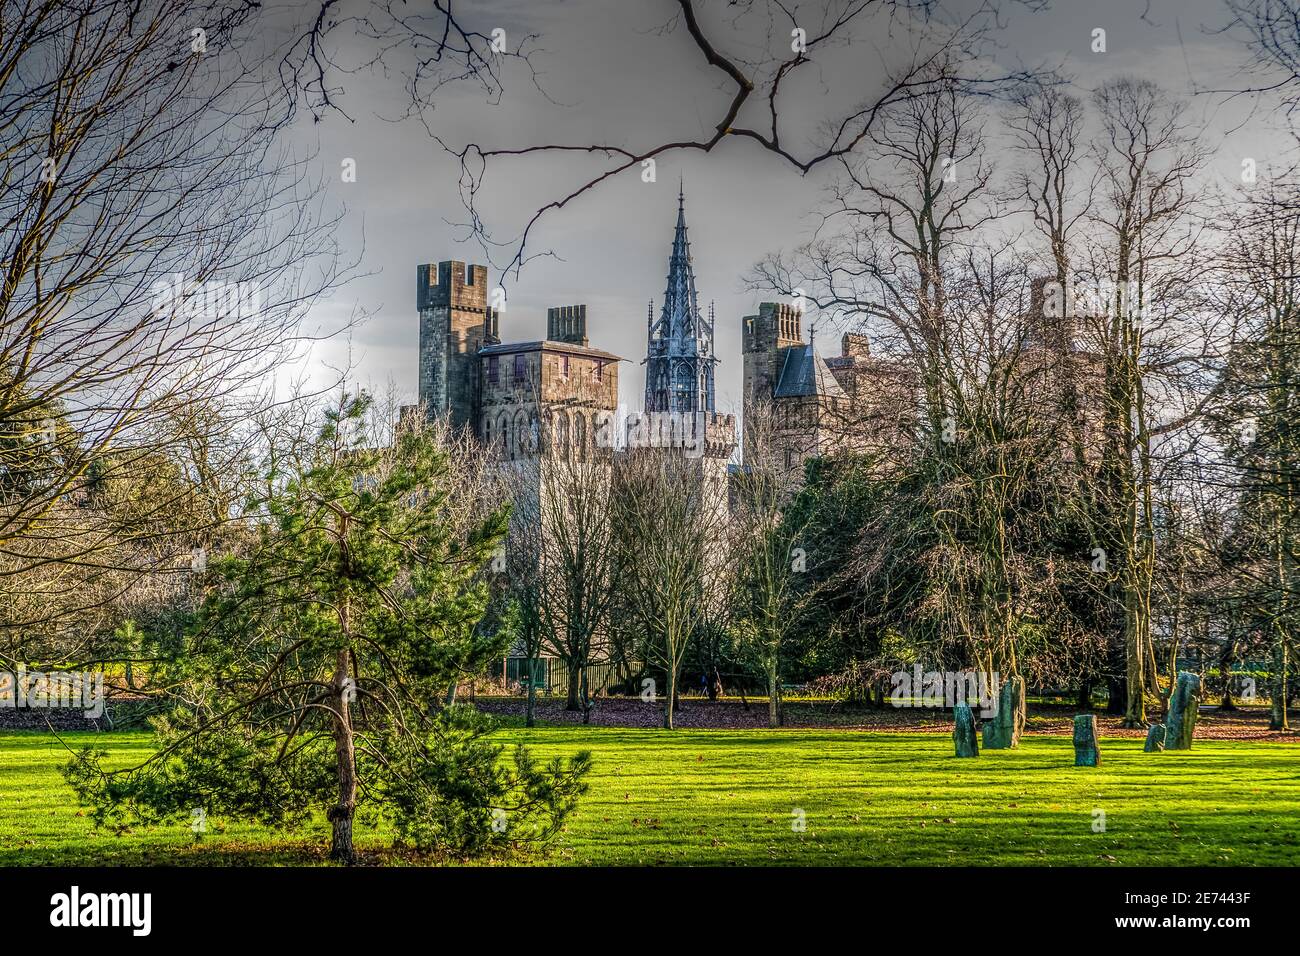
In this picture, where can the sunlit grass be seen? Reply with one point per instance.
(730, 798)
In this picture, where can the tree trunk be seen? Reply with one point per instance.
(1226, 657)
(1277, 716)
(773, 704)
(340, 815)
(1117, 695)
(530, 708)
(671, 674)
(586, 699)
(1085, 695)
(1135, 711)
(571, 701)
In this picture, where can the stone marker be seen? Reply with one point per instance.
(1086, 753)
(963, 733)
(1155, 738)
(1002, 732)
(1181, 719)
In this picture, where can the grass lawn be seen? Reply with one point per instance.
(729, 797)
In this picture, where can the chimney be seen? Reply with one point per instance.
(567, 323)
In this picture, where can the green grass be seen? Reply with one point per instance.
(728, 798)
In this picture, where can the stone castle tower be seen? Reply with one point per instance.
(456, 321)
(764, 337)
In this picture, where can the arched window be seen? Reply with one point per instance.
(580, 434)
(562, 433)
(521, 433)
(661, 387)
(503, 430)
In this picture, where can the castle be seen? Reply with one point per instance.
(530, 399)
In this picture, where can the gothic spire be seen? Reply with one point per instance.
(679, 359)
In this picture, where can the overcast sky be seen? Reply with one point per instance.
(611, 74)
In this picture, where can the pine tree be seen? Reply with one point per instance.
(311, 677)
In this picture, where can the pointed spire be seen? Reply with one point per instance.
(680, 359)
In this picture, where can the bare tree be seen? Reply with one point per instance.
(1257, 414)
(1147, 156)
(669, 516)
(577, 555)
(761, 49)
(155, 260)
(769, 549)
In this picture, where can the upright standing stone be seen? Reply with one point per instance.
(1180, 722)
(963, 733)
(1155, 738)
(1086, 753)
(1003, 731)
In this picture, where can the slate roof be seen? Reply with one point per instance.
(805, 374)
(549, 345)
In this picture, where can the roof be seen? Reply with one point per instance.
(805, 374)
(507, 348)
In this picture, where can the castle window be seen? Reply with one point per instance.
(521, 368)
(493, 369)
(580, 435)
(522, 433)
(562, 433)
(598, 371)
(564, 366)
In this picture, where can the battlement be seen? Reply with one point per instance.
(855, 345)
(777, 325)
(451, 283)
(694, 434)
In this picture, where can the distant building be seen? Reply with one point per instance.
(850, 403)
(531, 401)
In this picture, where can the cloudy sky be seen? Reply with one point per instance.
(622, 72)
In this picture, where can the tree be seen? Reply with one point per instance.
(156, 254)
(669, 514)
(770, 550)
(1142, 258)
(310, 678)
(524, 576)
(1258, 410)
(577, 557)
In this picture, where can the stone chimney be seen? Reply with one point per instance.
(567, 323)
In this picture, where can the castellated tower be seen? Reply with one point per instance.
(455, 322)
(778, 326)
